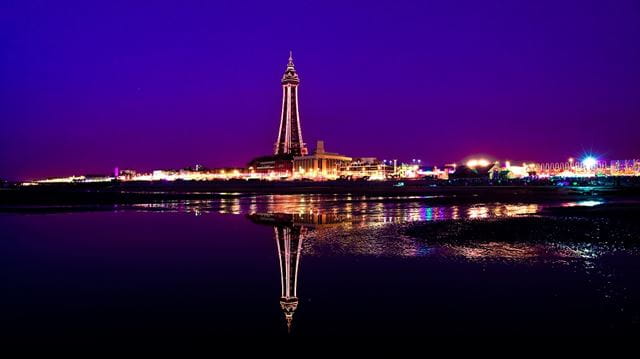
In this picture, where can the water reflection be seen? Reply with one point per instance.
(424, 243)
(377, 225)
(289, 232)
(582, 204)
(289, 242)
(416, 227)
(330, 234)
(361, 210)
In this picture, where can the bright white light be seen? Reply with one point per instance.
(589, 162)
(479, 162)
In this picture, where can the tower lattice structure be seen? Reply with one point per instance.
(289, 133)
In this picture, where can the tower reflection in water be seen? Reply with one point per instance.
(452, 240)
(289, 231)
(289, 242)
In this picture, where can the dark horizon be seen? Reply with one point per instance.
(87, 87)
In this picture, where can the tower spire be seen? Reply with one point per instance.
(290, 134)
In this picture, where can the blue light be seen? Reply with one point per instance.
(589, 162)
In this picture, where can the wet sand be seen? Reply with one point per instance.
(607, 223)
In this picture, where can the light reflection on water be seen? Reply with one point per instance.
(376, 225)
(361, 209)
(582, 203)
(328, 234)
(392, 241)
(356, 226)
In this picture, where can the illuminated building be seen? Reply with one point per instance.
(280, 165)
(511, 170)
(367, 168)
(407, 170)
(126, 174)
(75, 179)
(625, 168)
(588, 167)
(434, 173)
(290, 134)
(321, 164)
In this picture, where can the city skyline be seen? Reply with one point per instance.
(88, 88)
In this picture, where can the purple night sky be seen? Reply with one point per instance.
(89, 85)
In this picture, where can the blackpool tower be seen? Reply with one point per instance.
(289, 134)
(289, 242)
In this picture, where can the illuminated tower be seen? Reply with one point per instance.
(289, 134)
(289, 242)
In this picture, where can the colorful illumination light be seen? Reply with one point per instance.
(589, 162)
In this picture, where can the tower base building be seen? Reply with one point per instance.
(320, 165)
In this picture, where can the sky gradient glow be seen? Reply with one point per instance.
(86, 86)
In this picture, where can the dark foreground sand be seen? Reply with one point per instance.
(614, 223)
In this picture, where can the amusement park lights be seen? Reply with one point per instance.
(589, 162)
